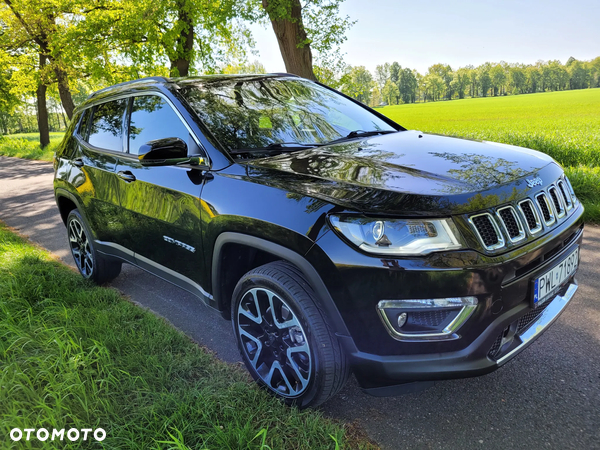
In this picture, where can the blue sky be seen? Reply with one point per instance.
(418, 34)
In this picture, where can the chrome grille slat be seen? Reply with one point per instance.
(566, 197)
(558, 206)
(545, 208)
(487, 230)
(531, 215)
(511, 223)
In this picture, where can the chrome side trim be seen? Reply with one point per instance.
(521, 235)
(447, 334)
(500, 242)
(538, 221)
(154, 268)
(545, 319)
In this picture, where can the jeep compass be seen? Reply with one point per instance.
(334, 240)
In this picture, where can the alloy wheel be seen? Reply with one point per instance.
(80, 248)
(274, 342)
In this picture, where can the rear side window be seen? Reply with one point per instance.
(153, 118)
(106, 128)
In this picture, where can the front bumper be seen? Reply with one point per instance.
(375, 371)
(503, 325)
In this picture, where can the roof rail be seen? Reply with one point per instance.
(285, 74)
(125, 83)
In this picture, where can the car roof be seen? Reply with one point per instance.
(164, 81)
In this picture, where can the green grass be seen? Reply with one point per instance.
(564, 125)
(73, 355)
(27, 145)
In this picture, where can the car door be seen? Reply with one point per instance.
(99, 143)
(161, 205)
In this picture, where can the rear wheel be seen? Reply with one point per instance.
(91, 264)
(284, 338)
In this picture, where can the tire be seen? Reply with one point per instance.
(91, 265)
(275, 310)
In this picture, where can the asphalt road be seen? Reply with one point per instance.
(547, 397)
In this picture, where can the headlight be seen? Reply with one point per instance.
(398, 236)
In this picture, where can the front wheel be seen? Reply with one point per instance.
(284, 338)
(89, 262)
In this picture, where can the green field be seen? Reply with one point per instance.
(74, 355)
(565, 125)
(27, 145)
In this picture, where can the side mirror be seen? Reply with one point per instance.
(167, 152)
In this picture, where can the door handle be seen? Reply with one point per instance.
(78, 162)
(126, 176)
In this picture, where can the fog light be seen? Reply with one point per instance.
(402, 319)
(432, 319)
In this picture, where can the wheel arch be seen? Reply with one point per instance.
(262, 252)
(66, 203)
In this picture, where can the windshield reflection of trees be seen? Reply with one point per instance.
(253, 113)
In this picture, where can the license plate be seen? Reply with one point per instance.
(551, 282)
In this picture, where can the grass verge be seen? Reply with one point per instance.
(73, 355)
(27, 145)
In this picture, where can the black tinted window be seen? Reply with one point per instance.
(153, 118)
(106, 129)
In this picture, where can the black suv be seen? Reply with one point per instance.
(334, 240)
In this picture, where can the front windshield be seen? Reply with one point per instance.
(255, 113)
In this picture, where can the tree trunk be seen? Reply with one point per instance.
(63, 118)
(64, 91)
(180, 64)
(292, 40)
(42, 109)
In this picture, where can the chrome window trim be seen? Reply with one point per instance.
(538, 221)
(500, 243)
(129, 95)
(552, 220)
(522, 234)
(563, 211)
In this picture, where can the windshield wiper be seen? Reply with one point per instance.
(275, 147)
(362, 133)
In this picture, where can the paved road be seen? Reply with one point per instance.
(548, 397)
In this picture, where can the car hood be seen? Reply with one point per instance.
(408, 171)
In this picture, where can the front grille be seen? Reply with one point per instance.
(511, 223)
(530, 317)
(495, 350)
(533, 221)
(514, 222)
(486, 229)
(431, 319)
(542, 201)
(560, 211)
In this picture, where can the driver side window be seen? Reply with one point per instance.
(153, 118)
